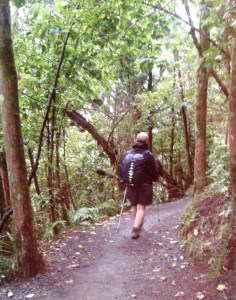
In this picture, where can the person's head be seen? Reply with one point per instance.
(142, 137)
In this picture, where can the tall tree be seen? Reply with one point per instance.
(232, 128)
(201, 98)
(28, 257)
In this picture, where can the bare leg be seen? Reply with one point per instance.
(134, 212)
(139, 216)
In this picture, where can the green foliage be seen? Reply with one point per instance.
(218, 261)
(6, 252)
(112, 48)
(5, 263)
(49, 230)
(19, 3)
(95, 213)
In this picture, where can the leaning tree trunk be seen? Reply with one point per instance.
(174, 190)
(82, 122)
(28, 257)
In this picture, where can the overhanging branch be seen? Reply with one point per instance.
(82, 122)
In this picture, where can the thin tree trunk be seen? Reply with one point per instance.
(50, 100)
(150, 128)
(36, 184)
(185, 129)
(232, 130)
(50, 178)
(1, 199)
(227, 72)
(4, 180)
(172, 141)
(28, 257)
(57, 154)
(66, 171)
(5, 205)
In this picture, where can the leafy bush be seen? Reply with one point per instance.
(94, 214)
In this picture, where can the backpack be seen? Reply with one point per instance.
(133, 167)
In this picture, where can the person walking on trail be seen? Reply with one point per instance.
(138, 171)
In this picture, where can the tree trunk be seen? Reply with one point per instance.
(201, 112)
(172, 141)
(150, 128)
(185, 129)
(5, 206)
(66, 171)
(28, 257)
(232, 129)
(50, 178)
(201, 98)
(200, 133)
(4, 180)
(36, 184)
(57, 163)
(173, 189)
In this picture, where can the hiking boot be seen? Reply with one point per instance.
(134, 233)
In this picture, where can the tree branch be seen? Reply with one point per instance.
(116, 124)
(186, 22)
(220, 83)
(52, 95)
(192, 31)
(81, 121)
(5, 218)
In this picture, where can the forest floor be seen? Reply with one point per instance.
(100, 263)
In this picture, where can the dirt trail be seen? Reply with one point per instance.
(101, 264)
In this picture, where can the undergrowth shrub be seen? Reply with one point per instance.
(6, 252)
(95, 213)
(5, 263)
(206, 230)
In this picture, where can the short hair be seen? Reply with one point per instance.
(142, 137)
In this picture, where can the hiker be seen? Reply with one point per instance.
(139, 193)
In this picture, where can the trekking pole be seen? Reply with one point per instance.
(158, 213)
(158, 209)
(121, 211)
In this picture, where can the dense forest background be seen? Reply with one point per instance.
(87, 76)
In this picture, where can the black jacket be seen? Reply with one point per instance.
(151, 172)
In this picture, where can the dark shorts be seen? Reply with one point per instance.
(140, 195)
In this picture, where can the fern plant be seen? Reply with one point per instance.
(95, 213)
(49, 232)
